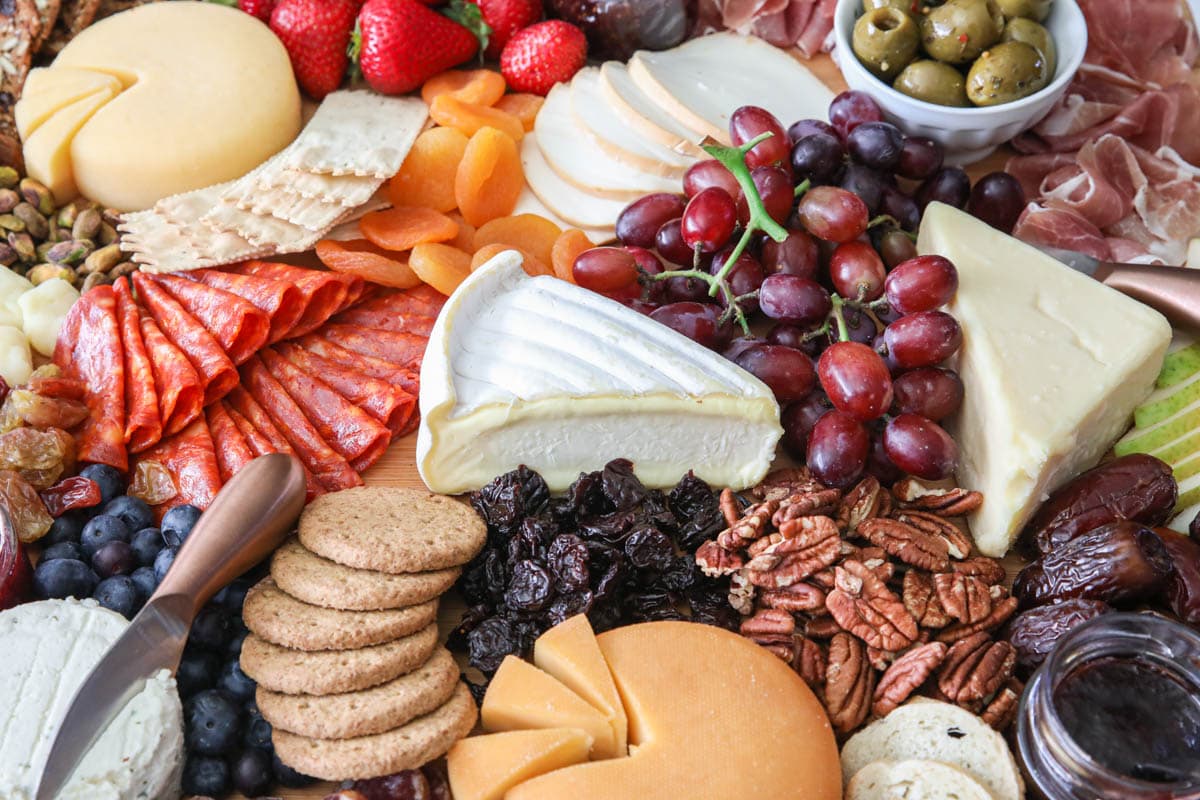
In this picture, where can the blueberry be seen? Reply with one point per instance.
(198, 670)
(288, 777)
(252, 774)
(101, 530)
(66, 528)
(206, 776)
(120, 594)
(70, 550)
(233, 595)
(163, 562)
(211, 628)
(178, 522)
(236, 682)
(146, 544)
(109, 479)
(212, 723)
(234, 648)
(62, 578)
(133, 511)
(114, 558)
(256, 731)
(143, 578)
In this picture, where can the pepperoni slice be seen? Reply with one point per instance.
(401, 377)
(92, 353)
(233, 451)
(401, 349)
(386, 403)
(217, 372)
(352, 432)
(280, 301)
(191, 459)
(143, 423)
(324, 293)
(262, 435)
(354, 293)
(259, 445)
(239, 326)
(406, 302)
(331, 470)
(179, 388)
(386, 320)
(424, 296)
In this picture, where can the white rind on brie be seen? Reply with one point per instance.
(540, 372)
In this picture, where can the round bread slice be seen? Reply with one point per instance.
(376, 710)
(407, 747)
(392, 530)
(280, 618)
(914, 780)
(307, 576)
(936, 731)
(279, 669)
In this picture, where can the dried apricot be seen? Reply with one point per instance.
(427, 176)
(441, 266)
(528, 232)
(466, 232)
(566, 248)
(360, 257)
(405, 227)
(489, 178)
(530, 262)
(524, 107)
(470, 117)
(479, 86)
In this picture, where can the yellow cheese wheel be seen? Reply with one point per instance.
(209, 95)
(48, 149)
(47, 91)
(485, 767)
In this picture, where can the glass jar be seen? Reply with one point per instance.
(1114, 712)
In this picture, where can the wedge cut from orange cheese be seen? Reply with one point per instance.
(485, 767)
(47, 91)
(521, 696)
(569, 652)
(712, 716)
(48, 149)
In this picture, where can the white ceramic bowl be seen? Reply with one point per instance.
(968, 134)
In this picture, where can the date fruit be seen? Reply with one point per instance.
(1118, 563)
(1135, 487)
(1034, 632)
(1183, 588)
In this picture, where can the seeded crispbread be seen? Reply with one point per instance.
(20, 23)
(389, 529)
(914, 780)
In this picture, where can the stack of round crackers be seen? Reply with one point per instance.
(344, 640)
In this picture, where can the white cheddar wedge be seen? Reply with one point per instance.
(48, 90)
(566, 201)
(48, 157)
(1053, 363)
(645, 116)
(705, 80)
(541, 372)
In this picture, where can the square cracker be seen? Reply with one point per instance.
(358, 133)
(343, 189)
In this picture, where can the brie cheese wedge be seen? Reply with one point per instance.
(540, 372)
(1053, 364)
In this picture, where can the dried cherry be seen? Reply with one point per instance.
(531, 586)
(1183, 587)
(4, 389)
(1034, 632)
(70, 494)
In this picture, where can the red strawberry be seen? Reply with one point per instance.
(542, 55)
(316, 33)
(257, 8)
(400, 44)
(506, 17)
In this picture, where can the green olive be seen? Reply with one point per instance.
(1020, 29)
(960, 30)
(885, 40)
(1036, 10)
(1007, 72)
(907, 6)
(933, 82)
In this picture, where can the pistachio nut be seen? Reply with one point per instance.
(108, 234)
(67, 214)
(37, 196)
(95, 279)
(44, 272)
(11, 222)
(9, 177)
(8, 256)
(122, 269)
(87, 224)
(70, 252)
(23, 244)
(35, 223)
(102, 260)
(8, 200)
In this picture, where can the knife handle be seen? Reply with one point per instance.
(1173, 291)
(248, 519)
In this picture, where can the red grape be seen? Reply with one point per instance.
(703, 174)
(800, 301)
(739, 345)
(949, 185)
(866, 183)
(650, 264)
(851, 109)
(798, 420)
(808, 127)
(876, 145)
(900, 207)
(920, 158)
(775, 188)
(922, 339)
(879, 465)
(838, 448)
(856, 379)
(642, 218)
(896, 247)
(921, 284)
(856, 271)
(686, 289)
(834, 214)
(793, 336)
(744, 277)
(709, 220)
(789, 373)
(998, 200)
(931, 392)
(700, 322)
(747, 122)
(920, 447)
(860, 327)
(605, 269)
(818, 158)
(670, 245)
(795, 255)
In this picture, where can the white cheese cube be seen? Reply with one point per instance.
(12, 286)
(43, 310)
(16, 362)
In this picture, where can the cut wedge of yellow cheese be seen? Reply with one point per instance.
(521, 696)
(569, 652)
(47, 91)
(48, 150)
(485, 767)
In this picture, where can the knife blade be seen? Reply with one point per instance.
(248, 519)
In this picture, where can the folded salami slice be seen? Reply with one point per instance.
(352, 432)
(192, 461)
(402, 377)
(331, 470)
(405, 302)
(388, 404)
(180, 390)
(354, 293)
(262, 435)
(143, 422)
(91, 352)
(385, 320)
(217, 372)
(401, 349)
(239, 325)
(233, 451)
(259, 444)
(423, 296)
(324, 293)
(281, 301)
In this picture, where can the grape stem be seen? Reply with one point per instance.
(802, 187)
(884, 219)
(839, 318)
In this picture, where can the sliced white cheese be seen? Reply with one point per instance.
(644, 115)
(12, 286)
(568, 202)
(46, 91)
(528, 203)
(43, 310)
(541, 372)
(1053, 364)
(705, 80)
(16, 362)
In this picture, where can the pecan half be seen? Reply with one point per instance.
(975, 667)
(945, 502)
(730, 508)
(1002, 608)
(752, 525)
(864, 606)
(1002, 710)
(921, 600)
(797, 598)
(965, 598)
(741, 593)
(988, 570)
(823, 627)
(907, 543)
(768, 624)
(782, 482)
(905, 676)
(849, 683)
(803, 504)
(716, 562)
(880, 659)
(806, 545)
(863, 502)
(810, 662)
(958, 544)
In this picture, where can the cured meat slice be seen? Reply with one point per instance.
(354, 293)
(239, 325)
(386, 403)
(423, 297)
(92, 353)
(143, 422)
(402, 349)
(58, 387)
(191, 459)
(324, 293)
(403, 377)
(279, 300)
(262, 435)
(233, 451)
(259, 445)
(331, 470)
(217, 372)
(385, 320)
(349, 430)
(178, 385)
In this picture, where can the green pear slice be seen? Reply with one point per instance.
(1165, 403)
(1179, 365)
(1149, 439)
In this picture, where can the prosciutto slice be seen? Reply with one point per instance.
(804, 24)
